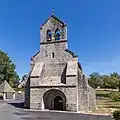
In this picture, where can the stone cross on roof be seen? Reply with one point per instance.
(53, 12)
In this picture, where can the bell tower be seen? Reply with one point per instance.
(53, 31)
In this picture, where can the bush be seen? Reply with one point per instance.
(115, 96)
(102, 95)
(116, 115)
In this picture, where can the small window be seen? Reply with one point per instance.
(49, 35)
(57, 34)
(52, 55)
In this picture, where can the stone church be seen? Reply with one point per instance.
(56, 80)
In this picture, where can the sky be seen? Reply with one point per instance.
(93, 31)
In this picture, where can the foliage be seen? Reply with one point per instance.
(25, 77)
(115, 96)
(94, 79)
(119, 86)
(116, 75)
(111, 95)
(102, 94)
(104, 81)
(116, 115)
(7, 70)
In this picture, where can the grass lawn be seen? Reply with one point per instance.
(106, 104)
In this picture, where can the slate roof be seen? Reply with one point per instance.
(35, 55)
(73, 54)
(5, 87)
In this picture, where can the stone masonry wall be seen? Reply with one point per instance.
(36, 97)
(92, 98)
(82, 92)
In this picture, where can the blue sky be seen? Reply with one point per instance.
(93, 31)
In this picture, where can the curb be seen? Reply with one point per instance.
(69, 112)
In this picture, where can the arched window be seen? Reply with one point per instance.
(49, 35)
(57, 34)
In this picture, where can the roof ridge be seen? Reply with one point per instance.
(55, 17)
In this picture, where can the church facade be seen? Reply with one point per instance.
(56, 80)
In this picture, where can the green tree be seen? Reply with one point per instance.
(115, 74)
(25, 77)
(116, 115)
(94, 80)
(109, 81)
(104, 81)
(116, 79)
(7, 69)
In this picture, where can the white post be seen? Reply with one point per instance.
(4, 96)
(42, 105)
(14, 95)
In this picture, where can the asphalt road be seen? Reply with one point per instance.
(13, 110)
(61, 116)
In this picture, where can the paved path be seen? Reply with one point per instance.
(10, 110)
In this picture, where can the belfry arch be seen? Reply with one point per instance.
(54, 100)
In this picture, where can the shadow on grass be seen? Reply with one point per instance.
(17, 105)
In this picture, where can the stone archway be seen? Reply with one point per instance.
(54, 100)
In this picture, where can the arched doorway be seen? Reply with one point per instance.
(54, 100)
(58, 103)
